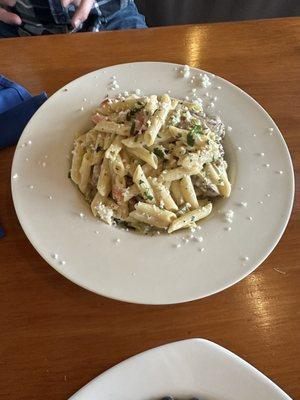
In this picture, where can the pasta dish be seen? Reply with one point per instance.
(152, 162)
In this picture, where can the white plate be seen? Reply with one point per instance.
(146, 269)
(184, 369)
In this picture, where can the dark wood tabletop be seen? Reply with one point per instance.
(56, 336)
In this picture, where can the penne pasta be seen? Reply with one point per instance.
(151, 163)
(188, 191)
(176, 193)
(113, 127)
(143, 184)
(104, 181)
(152, 215)
(190, 218)
(145, 155)
(162, 195)
(157, 120)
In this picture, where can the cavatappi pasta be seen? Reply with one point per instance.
(151, 163)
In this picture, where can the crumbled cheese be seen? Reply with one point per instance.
(204, 80)
(105, 213)
(185, 71)
(228, 216)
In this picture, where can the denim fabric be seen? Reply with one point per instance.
(126, 18)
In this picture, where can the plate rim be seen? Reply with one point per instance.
(187, 299)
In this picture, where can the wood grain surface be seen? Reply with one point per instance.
(55, 336)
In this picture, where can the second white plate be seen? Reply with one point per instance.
(146, 269)
(184, 369)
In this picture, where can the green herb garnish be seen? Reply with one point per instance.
(134, 111)
(158, 152)
(190, 139)
(99, 148)
(132, 129)
(141, 182)
(196, 130)
(149, 197)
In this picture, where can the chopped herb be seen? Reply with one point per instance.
(135, 110)
(190, 139)
(193, 218)
(196, 130)
(99, 148)
(132, 129)
(149, 197)
(141, 182)
(158, 152)
(207, 142)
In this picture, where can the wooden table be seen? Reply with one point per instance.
(55, 336)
